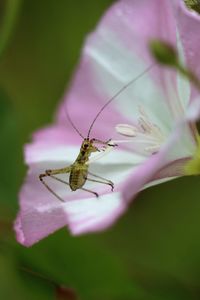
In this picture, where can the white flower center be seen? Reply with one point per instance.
(146, 133)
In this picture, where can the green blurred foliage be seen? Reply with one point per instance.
(9, 11)
(153, 252)
(193, 4)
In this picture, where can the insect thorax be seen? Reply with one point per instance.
(87, 148)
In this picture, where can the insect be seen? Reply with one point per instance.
(79, 171)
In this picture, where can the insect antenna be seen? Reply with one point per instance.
(117, 94)
(72, 124)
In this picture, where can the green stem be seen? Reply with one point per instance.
(190, 75)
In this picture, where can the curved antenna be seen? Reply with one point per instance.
(117, 94)
(71, 122)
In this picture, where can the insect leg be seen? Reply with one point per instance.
(97, 176)
(83, 189)
(58, 171)
(41, 177)
(48, 174)
(105, 181)
(52, 173)
(89, 191)
(105, 142)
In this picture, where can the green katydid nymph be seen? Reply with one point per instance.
(79, 171)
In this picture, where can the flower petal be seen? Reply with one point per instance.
(113, 55)
(97, 214)
(92, 214)
(164, 163)
(32, 226)
(55, 135)
(41, 213)
(52, 144)
(37, 152)
(83, 102)
(188, 23)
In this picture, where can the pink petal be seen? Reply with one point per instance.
(93, 215)
(98, 214)
(161, 165)
(133, 32)
(90, 215)
(37, 152)
(55, 143)
(132, 23)
(41, 213)
(188, 23)
(124, 18)
(147, 171)
(83, 102)
(32, 226)
(56, 135)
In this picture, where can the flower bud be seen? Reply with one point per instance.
(163, 53)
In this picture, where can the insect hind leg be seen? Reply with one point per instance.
(50, 173)
(41, 178)
(65, 182)
(103, 180)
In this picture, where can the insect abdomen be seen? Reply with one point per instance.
(77, 178)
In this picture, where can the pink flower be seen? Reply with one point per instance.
(157, 115)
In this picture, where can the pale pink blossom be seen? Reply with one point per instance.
(155, 117)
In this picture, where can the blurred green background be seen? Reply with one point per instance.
(153, 252)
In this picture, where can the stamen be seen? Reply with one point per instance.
(147, 135)
(144, 125)
(152, 149)
(127, 130)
